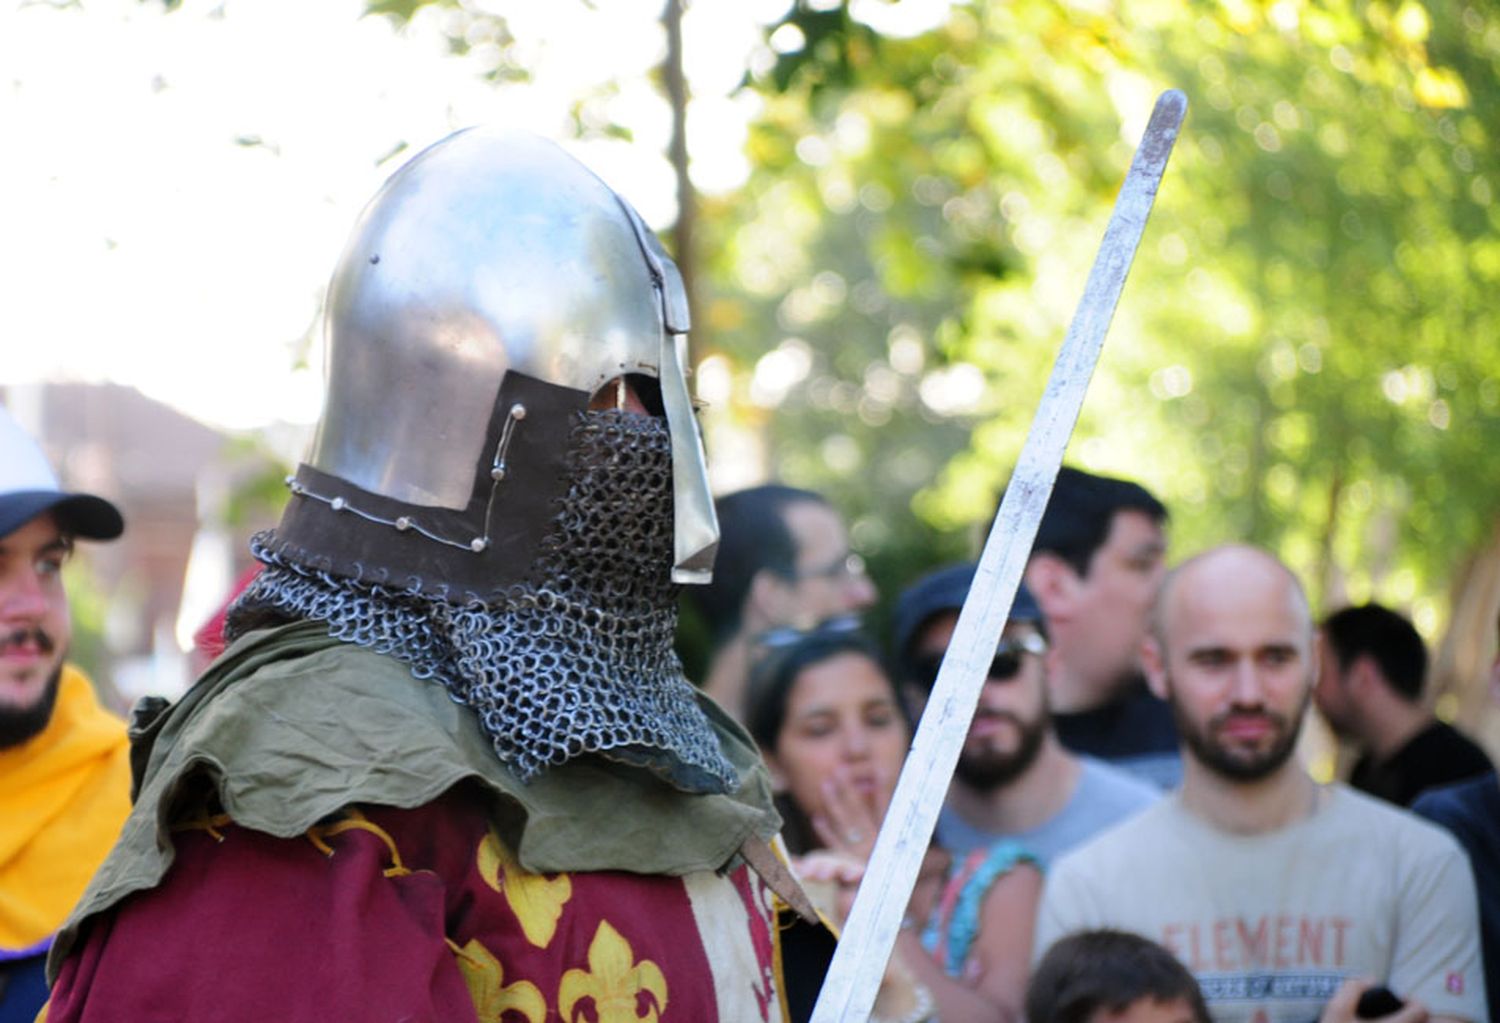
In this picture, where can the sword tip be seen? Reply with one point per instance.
(1172, 103)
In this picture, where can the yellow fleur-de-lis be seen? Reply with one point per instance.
(614, 982)
(492, 997)
(536, 899)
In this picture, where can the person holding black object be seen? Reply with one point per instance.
(1274, 890)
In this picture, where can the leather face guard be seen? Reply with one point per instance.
(333, 526)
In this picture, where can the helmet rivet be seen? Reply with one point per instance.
(337, 504)
(291, 481)
(497, 473)
(403, 523)
(478, 544)
(518, 411)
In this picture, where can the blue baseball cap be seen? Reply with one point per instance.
(945, 590)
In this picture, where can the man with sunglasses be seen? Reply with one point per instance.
(1278, 893)
(1014, 779)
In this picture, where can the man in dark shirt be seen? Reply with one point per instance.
(1471, 810)
(1370, 690)
(1098, 559)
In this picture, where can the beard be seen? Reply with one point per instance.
(1235, 764)
(20, 724)
(987, 769)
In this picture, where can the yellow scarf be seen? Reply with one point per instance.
(63, 796)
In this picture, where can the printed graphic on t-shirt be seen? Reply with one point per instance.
(1271, 958)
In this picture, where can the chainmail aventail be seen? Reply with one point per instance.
(578, 660)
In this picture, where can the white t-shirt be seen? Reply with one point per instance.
(1271, 924)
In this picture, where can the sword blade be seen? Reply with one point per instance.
(854, 976)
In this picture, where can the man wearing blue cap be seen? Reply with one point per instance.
(64, 760)
(1014, 779)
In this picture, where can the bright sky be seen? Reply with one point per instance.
(175, 187)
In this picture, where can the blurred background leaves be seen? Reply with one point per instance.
(1305, 356)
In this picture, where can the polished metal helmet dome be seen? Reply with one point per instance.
(493, 278)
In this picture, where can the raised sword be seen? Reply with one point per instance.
(869, 935)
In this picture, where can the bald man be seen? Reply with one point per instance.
(1273, 890)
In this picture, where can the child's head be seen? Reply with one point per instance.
(1112, 977)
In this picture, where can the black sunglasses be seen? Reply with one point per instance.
(1005, 666)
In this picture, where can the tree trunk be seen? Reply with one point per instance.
(675, 83)
(1460, 670)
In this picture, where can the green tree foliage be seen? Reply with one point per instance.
(1304, 355)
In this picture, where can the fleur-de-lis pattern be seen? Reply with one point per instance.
(425, 913)
(537, 900)
(614, 982)
(493, 998)
(591, 946)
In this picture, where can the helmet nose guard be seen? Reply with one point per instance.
(696, 526)
(492, 285)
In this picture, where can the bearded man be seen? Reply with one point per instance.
(449, 767)
(1014, 779)
(64, 759)
(1275, 891)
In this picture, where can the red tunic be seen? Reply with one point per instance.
(419, 915)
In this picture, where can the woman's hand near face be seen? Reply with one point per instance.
(850, 819)
(840, 748)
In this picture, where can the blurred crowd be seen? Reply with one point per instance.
(1128, 834)
(1129, 781)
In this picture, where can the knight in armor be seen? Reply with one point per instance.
(448, 767)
